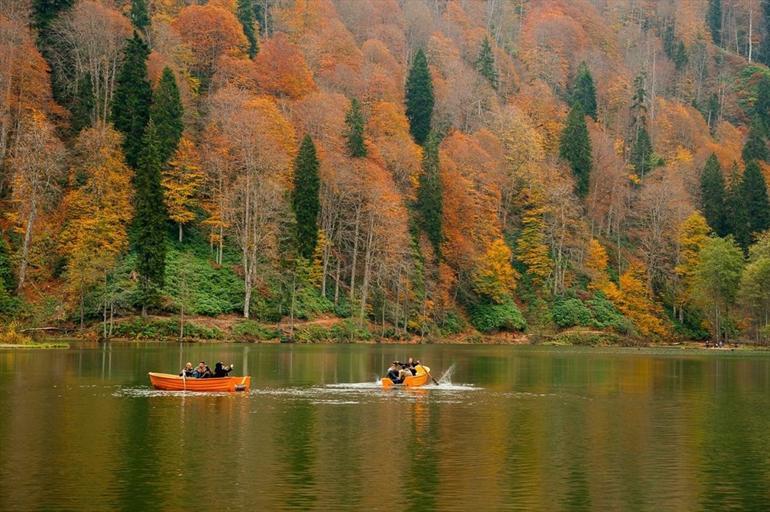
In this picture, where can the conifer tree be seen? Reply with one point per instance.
(83, 106)
(45, 11)
(755, 147)
(140, 16)
(713, 112)
(641, 153)
(166, 113)
(764, 49)
(149, 220)
(354, 120)
(669, 40)
(305, 199)
(419, 98)
(755, 198)
(132, 98)
(485, 63)
(245, 12)
(680, 56)
(7, 278)
(736, 213)
(712, 188)
(762, 104)
(430, 195)
(575, 148)
(714, 20)
(584, 91)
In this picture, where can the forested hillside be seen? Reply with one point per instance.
(417, 167)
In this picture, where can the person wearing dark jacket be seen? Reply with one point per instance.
(221, 370)
(394, 373)
(202, 371)
(187, 371)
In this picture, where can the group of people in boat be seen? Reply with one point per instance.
(399, 371)
(202, 371)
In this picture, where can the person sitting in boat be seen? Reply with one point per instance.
(202, 371)
(220, 370)
(395, 373)
(187, 371)
(410, 366)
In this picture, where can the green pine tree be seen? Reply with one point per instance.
(132, 98)
(755, 147)
(430, 194)
(575, 148)
(641, 153)
(354, 135)
(763, 55)
(755, 198)
(7, 277)
(150, 217)
(762, 104)
(712, 195)
(45, 11)
(166, 112)
(245, 12)
(712, 116)
(669, 40)
(714, 20)
(485, 63)
(680, 56)
(83, 106)
(584, 91)
(140, 15)
(419, 98)
(736, 213)
(305, 200)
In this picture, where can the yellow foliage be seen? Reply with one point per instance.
(596, 265)
(531, 247)
(632, 298)
(693, 235)
(494, 277)
(181, 182)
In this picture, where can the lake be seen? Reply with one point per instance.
(509, 428)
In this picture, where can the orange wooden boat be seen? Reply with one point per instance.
(413, 381)
(169, 382)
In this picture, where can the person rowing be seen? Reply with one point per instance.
(395, 373)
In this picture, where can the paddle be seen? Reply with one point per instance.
(429, 375)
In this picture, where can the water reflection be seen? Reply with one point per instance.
(517, 428)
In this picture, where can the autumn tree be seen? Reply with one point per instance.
(716, 280)
(183, 179)
(584, 91)
(755, 198)
(754, 293)
(132, 99)
(36, 168)
(714, 21)
(429, 194)
(633, 298)
(245, 12)
(485, 63)
(693, 236)
(354, 121)
(494, 278)
(755, 147)
(305, 201)
(712, 196)
(531, 248)
(419, 98)
(575, 148)
(281, 69)
(150, 220)
(166, 112)
(98, 210)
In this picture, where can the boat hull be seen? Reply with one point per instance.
(169, 382)
(415, 381)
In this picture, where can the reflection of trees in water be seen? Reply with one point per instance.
(422, 457)
(298, 426)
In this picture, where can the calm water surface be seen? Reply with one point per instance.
(512, 428)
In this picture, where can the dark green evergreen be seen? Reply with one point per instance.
(132, 98)
(762, 104)
(669, 40)
(264, 17)
(305, 200)
(575, 148)
(429, 194)
(712, 114)
(736, 212)
(763, 54)
(140, 16)
(485, 63)
(419, 98)
(755, 147)
(354, 134)
(712, 196)
(641, 153)
(149, 229)
(45, 11)
(83, 106)
(166, 113)
(714, 20)
(680, 56)
(7, 277)
(245, 12)
(755, 198)
(584, 91)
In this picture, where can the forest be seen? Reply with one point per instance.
(401, 168)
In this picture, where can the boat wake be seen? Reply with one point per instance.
(140, 392)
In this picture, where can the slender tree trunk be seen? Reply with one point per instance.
(180, 231)
(355, 255)
(367, 268)
(25, 247)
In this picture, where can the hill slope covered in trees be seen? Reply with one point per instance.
(420, 167)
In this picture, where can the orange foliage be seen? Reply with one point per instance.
(388, 129)
(209, 31)
(281, 69)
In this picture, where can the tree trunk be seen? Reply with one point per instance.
(180, 231)
(355, 255)
(25, 247)
(367, 270)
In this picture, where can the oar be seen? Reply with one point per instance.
(431, 376)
